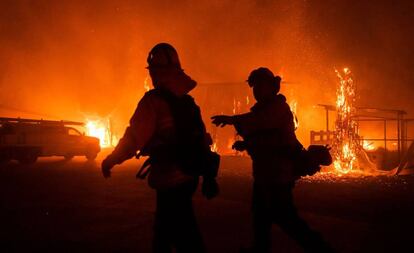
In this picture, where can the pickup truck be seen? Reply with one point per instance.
(25, 140)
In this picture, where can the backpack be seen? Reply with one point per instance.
(189, 148)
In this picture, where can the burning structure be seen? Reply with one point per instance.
(353, 151)
(96, 63)
(345, 144)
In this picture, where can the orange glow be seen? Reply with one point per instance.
(346, 144)
(369, 146)
(346, 162)
(214, 147)
(100, 129)
(230, 143)
(294, 107)
(146, 85)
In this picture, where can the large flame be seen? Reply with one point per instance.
(345, 144)
(100, 128)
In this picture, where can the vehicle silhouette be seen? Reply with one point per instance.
(25, 140)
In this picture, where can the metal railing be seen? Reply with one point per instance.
(372, 115)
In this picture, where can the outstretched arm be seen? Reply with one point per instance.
(137, 134)
(270, 117)
(244, 123)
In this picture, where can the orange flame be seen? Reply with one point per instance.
(214, 147)
(369, 146)
(346, 138)
(100, 129)
(293, 108)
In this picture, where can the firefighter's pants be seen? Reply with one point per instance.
(273, 204)
(175, 224)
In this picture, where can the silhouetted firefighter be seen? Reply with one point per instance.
(269, 138)
(167, 127)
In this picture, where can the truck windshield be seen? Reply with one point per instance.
(73, 131)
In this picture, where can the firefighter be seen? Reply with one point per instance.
(154, 131)
(269, 138)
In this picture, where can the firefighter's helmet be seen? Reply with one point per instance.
(163, 55)
(263, 75)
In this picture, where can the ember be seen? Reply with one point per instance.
(355, 177)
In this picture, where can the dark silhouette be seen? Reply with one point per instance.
(167, 127)
(269, 137)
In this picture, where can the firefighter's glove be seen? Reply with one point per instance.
(107, 165)
(239, 146)
(210, 188)
(222, 120)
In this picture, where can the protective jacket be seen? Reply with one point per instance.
(269, 134)
(152, 126)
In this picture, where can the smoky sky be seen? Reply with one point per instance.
(65, 59)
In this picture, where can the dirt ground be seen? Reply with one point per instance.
(67, 206)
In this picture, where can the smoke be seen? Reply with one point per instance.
(68, 59)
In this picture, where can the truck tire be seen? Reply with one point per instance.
(91, 156)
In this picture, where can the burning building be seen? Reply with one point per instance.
(58, 61)
(353, 150)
